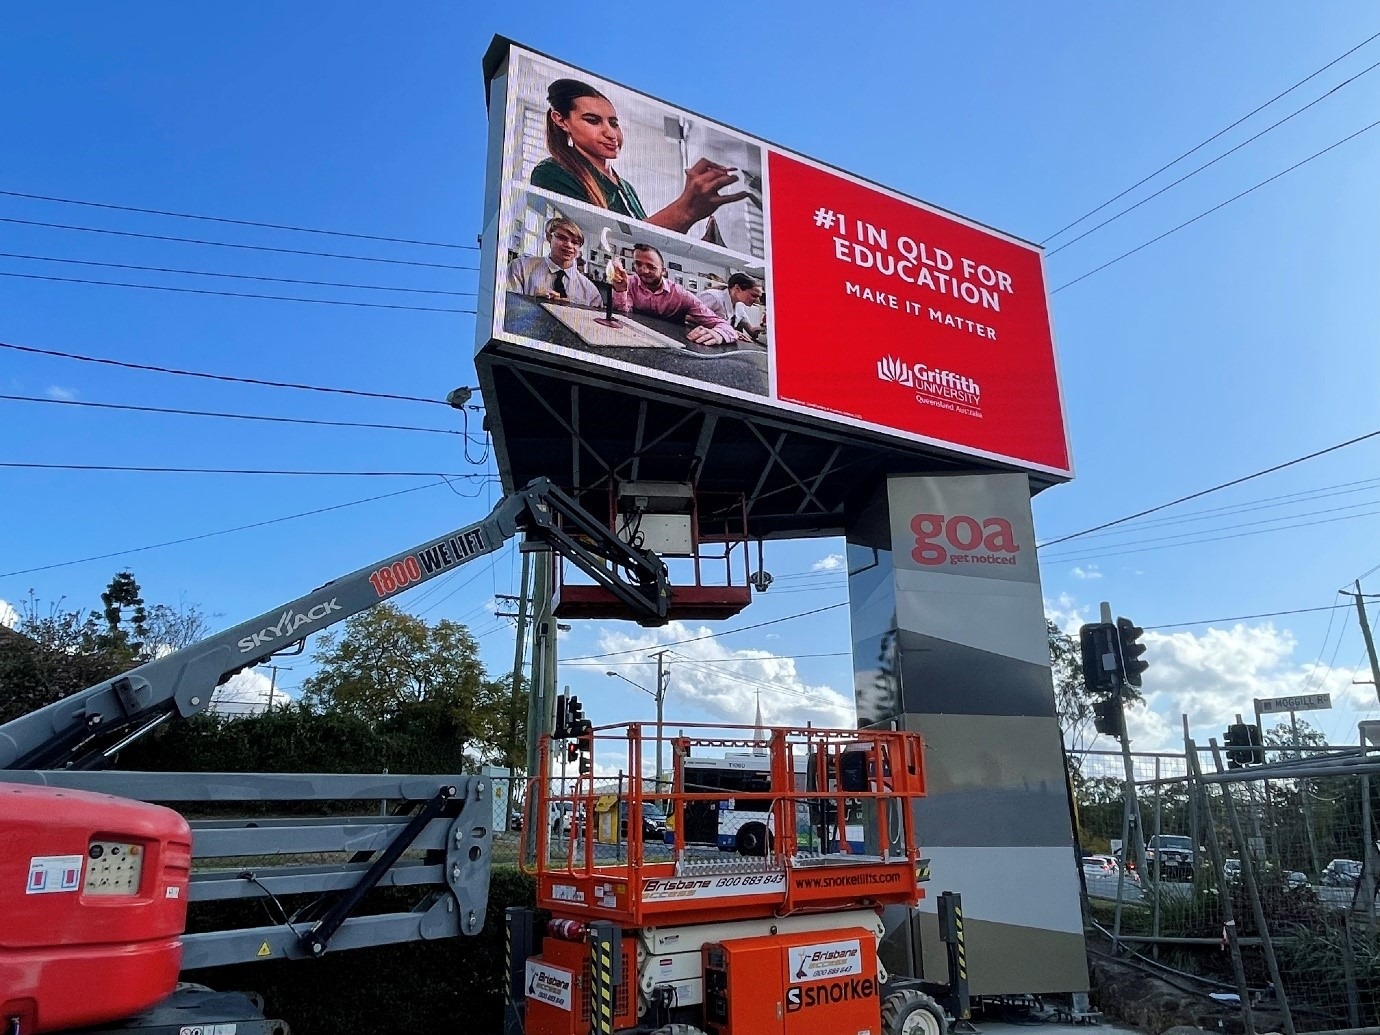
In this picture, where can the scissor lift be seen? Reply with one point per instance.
(644, 935)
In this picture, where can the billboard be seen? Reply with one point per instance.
(634, 239)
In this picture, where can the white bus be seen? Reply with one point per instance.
(745, 825)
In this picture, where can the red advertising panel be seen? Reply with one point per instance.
(907, 318)
(668, 250)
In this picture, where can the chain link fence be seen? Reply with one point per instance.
(1257, 881)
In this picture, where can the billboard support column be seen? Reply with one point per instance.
(949, 639)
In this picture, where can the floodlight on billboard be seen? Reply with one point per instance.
(663, 250)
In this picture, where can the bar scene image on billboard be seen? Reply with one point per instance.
(679, 254)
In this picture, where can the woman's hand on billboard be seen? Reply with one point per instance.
(700, 198)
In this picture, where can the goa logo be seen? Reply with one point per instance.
(962, 533)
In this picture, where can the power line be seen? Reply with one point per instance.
(1214, 161)
(1224, 204)
(1199, 147)
(223, 531)
(219, 377)
(231, 244)
(1245, 618)
(235, 222)
(230, 416)
(130, 469)
(707, 636)
(728, 661)
(1191, 537)
(1208, 539)
(1214, 488)
(1266, 503)
(233, 294)
(236, 276)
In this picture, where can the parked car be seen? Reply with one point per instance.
(653, 822)
(1342, 873)
(1104, 878)
(1174, 853)
(564, 819)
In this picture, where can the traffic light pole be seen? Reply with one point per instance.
(1132, 822)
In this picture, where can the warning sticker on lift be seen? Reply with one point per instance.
(825, 960)
(54, 874)
(675, 889)
(207, 1029)
(550, 985)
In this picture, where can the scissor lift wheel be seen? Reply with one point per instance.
(909, 1012)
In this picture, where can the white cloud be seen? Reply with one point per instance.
(1065, 612)
(58, 392)
(1090, 572)
(832, 562)
(9, 617)
(1213, 675)
(247, 693)
(710, 682)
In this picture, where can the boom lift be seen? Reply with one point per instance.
(94, 882)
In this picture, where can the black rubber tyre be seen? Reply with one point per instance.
(753, 839)
(909, 1012)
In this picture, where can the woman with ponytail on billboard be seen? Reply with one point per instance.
(583, 137)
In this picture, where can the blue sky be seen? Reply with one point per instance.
(1241, 341)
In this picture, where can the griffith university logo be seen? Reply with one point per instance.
(932, 386)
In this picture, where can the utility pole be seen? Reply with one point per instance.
(273, 683)
(663, 676)
(515, 703)
(1365, 632)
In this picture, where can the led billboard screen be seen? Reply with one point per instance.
(669, 251)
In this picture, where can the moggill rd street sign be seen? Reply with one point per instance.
(1299, 703)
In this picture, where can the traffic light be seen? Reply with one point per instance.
(1129, 634)
(1243, 745)
(1101, 659)
(584, 745)
(570, 713)
(1107, 718)
(572, 751)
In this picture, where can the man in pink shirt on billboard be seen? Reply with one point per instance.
(650, 291)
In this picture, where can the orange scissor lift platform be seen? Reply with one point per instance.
(838, 808)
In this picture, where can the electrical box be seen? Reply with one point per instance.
(93, 891)
(657, 516)
(558, 989)
(793, 984)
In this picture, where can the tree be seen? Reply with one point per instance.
(392, 669)
(168, 628)
(1281, 734)
(54, 652)
(123, 600)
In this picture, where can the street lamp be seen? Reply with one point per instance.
(660, 698)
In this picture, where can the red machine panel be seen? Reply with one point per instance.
(796, 984)
(558, 989)
(93, 889)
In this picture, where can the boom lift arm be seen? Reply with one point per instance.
(84, 731)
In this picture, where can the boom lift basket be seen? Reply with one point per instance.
(704, 537)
